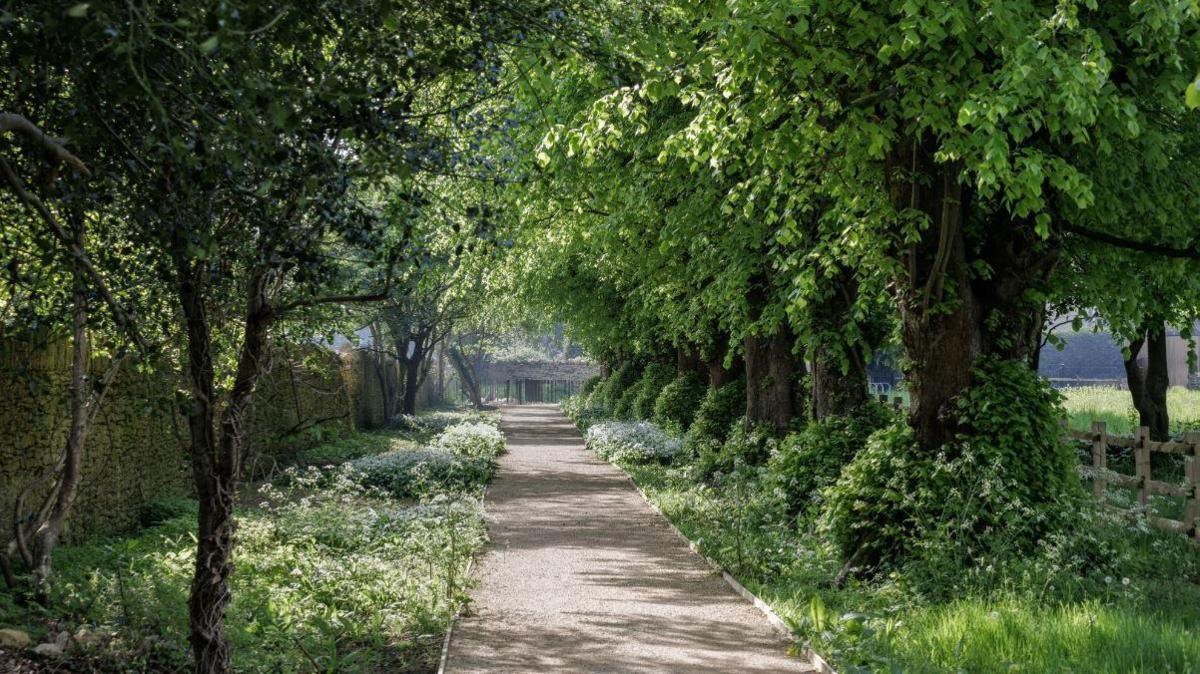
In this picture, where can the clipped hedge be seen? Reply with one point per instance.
(654, 379)
(715, 416)
(811, 459)
(676, 405)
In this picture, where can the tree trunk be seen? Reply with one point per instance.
(381, 372)
(1148, 386)
(216, 458)
(950, 315)
(839, 370)
(67, 486)
(770, 370)
(441, 373)
(412, 383)
(714, 361)
(466, 377)
(412, 362)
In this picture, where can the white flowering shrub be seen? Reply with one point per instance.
(631, 441)
(419, 472)
(440, 420)
(476, 439)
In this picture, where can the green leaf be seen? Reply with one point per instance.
(209, 45)
(79, 11)
(1192, 95)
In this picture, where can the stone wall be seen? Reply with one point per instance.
(136, 450)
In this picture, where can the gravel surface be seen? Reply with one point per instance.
(581, 575)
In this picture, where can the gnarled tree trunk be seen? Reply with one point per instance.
(770, 370)
(951, 316)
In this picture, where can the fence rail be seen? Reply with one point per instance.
(1141, 481)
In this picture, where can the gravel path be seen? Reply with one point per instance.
(583, 576)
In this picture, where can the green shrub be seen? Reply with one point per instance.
(581, 410)
(810, 460)
(623, 409)
(741, 448)
(676, 406)
(716, 414)
(163, 508)
(590, 384)
(654, 379)
(1005, 483)
(609, 394)
(419, 472)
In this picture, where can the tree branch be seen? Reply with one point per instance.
(383, 294)
(1133, 244)
(80, 255)
(13, 122)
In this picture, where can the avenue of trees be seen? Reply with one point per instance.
(775, 190)
(758, 190)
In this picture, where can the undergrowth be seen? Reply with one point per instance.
(334, 573)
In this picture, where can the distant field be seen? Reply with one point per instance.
(1115, 407)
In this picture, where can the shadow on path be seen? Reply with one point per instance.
(581, 575)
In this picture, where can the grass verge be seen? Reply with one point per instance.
(1032, 615)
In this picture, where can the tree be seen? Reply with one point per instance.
(239, 139)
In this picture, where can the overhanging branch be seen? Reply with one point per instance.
(1133, 244)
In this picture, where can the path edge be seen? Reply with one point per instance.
(445, 657)
(814, 658)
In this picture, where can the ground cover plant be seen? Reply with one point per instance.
(1104, 596)
(354, 565)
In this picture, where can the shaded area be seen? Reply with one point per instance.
(583, 576)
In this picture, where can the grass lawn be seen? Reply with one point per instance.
(1085, 404)
(331, 575)
(1033, 617)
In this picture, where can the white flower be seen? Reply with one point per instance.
(631, 440)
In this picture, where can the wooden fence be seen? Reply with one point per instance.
(1142, 481)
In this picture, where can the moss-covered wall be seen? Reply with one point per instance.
(136, 449)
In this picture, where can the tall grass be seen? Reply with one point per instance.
(1086, 404)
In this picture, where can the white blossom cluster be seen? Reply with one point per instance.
(415, 472)
(631, 441)
(474, 439)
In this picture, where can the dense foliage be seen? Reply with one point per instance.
(811, 459)
(678, 403)
(717, 413)
(1008, 482)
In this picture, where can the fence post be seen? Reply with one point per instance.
(1191, 469)
(1099, 458)
(1141, 464)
